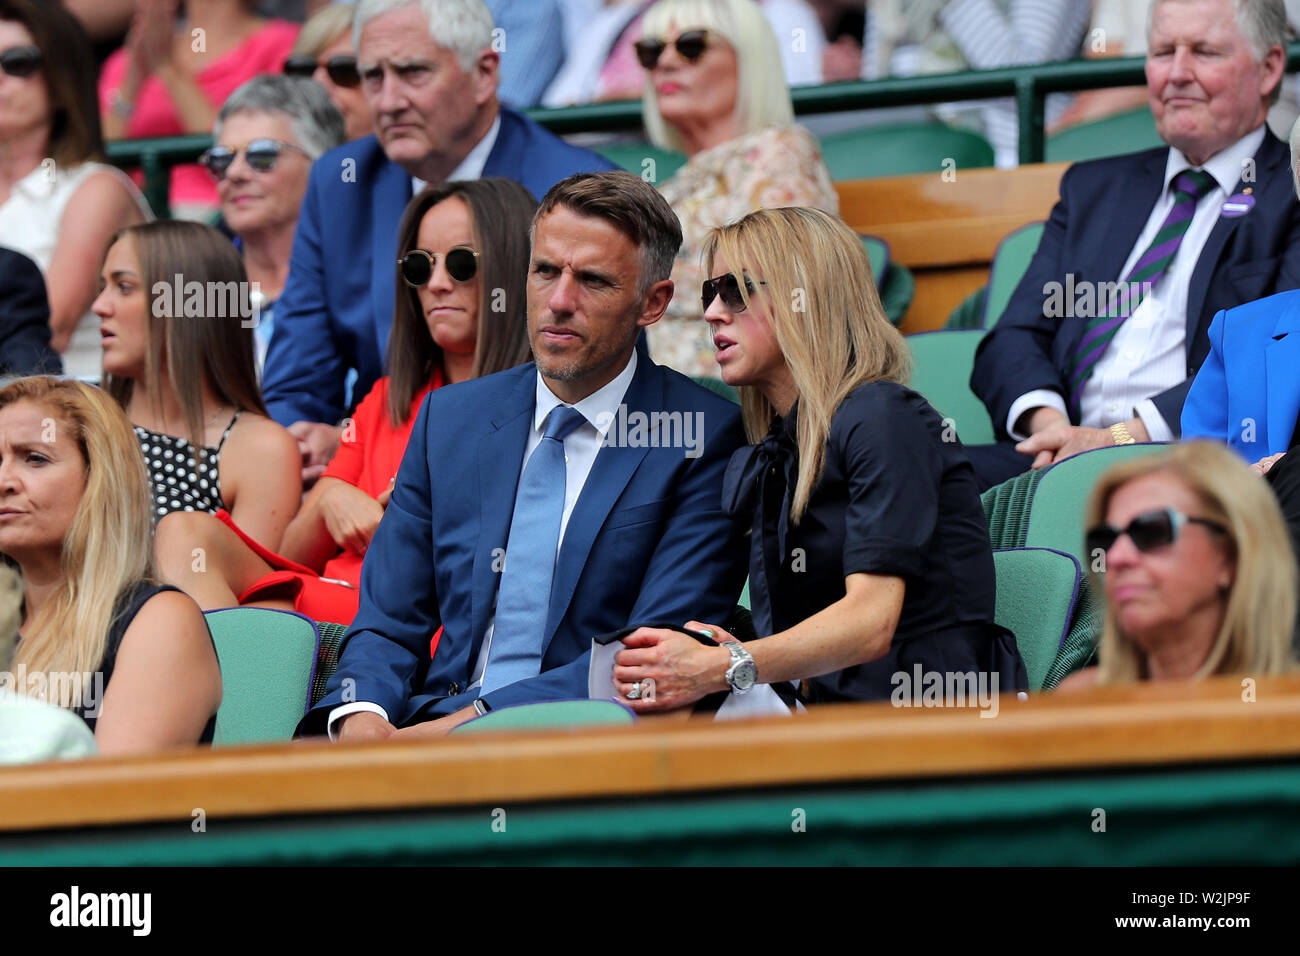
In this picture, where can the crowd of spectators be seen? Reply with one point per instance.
(413, 405)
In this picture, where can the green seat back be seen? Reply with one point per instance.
(1056, 514)
(942, 363)
(969, 312)
(266, 658)
(900, 149)
(1037, 589)
(633, 157)
(1122, 133)
(551, 713)
(878, 252)
(1010, 263)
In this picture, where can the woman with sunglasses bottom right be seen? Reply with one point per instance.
(460, 313)
(1198, 571)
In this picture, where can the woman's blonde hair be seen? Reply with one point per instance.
(762, 97)
(1260, 617)
(826, 315)
(324, 27)
(108, 546)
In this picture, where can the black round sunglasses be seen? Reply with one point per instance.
(1148, 531)
(20, 61)
(418, 264)
(691, 45)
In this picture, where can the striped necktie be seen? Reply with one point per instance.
(1190, 186)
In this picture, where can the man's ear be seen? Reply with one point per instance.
(1274, 66)
(655, 302)
(486, 76)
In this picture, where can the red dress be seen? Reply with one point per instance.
(368, 457)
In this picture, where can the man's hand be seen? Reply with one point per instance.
(318, 443)
(433, 729)
(1262, 466)
(364, 725)
(351, 516)
(1054, 439)
(673, 670)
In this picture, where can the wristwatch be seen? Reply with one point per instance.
(743, 673)
(1120, 435)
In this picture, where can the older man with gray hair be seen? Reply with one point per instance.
(1147, 248)
(430, 74)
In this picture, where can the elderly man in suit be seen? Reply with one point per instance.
(1151, 245)
(430, 76)
(542, 506)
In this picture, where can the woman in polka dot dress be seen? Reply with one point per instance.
(177, 339)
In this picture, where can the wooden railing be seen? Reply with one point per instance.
(1131, 726)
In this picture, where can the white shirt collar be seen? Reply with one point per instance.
(1226, 166)
(599, 408)
(471, 167)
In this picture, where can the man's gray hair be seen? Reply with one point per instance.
(1261, 22)
(462, 26)
(316, 123)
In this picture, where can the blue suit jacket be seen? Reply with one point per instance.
(337, 306)
(647, 541)
(24, 319)
(1092, 229)
(1247, 392)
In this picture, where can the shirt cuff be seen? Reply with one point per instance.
(1157, 428)
(341, 711)
(1038, 398)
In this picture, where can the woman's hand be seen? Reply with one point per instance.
(1264, 465)
(673, 670)
(149, 41)
(351, 516)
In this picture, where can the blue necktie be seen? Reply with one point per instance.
(524, 597)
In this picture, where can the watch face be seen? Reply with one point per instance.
(744, 675)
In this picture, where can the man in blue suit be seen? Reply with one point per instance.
(437, 117)
(1208, 223)
(523, 549)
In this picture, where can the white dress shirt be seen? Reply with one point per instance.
(471, 167)
(1148, 354)
(580, 450)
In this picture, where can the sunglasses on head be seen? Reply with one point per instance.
(20, 60)
(726, 286)
(417, 265)
(691, 45)
(342, 70)
(261, 155)
(1148, 531)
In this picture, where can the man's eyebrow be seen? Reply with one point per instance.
(588, 274)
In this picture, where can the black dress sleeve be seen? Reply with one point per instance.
(893, 471)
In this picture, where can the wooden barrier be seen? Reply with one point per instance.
(1132, 726)
(947, 231)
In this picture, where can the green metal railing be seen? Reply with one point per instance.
(1030, 85)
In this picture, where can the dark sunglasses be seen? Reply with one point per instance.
(342, 70)
(417, 265)
(20, 60)
(691, 45)
(1148, 531)
(260, 154)
(726, 286)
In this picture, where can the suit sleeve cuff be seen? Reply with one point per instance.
(338, 713)
(1157, 428)
(1038, 398)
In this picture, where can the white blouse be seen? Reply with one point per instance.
(30, 221)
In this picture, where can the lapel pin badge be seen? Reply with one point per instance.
(1238, 204)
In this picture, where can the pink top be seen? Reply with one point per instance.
(263, 52)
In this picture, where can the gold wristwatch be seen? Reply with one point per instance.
(1120, 435)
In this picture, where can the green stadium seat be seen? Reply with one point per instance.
(942, 362)
(1056, 513)
(633, 156)
(1112, 136)
(900, 149)
(878, 253)
(549, 714)
(1010, 263)
(969, 312)
(327, 658)
(1037, 589)
(267, 658)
